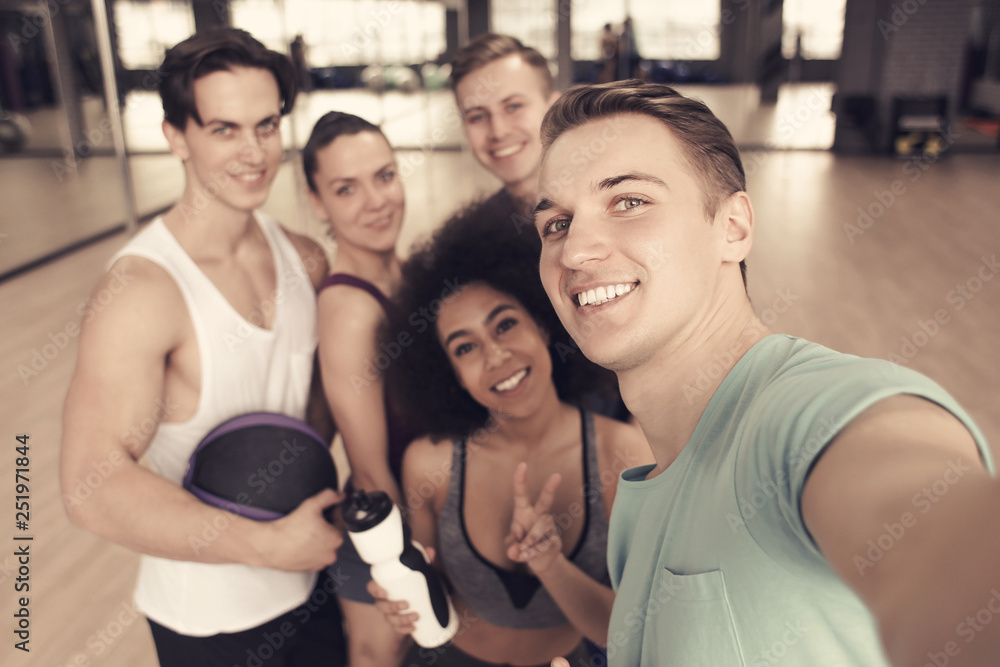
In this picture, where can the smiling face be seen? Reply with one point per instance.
(502, 105)
(631, 260)
(498, 352)
(359, 191)
(233, 157)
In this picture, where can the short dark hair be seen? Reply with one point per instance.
(706, 142)
(215, 51)
(473, 247)
(326, 129)
(491, 46)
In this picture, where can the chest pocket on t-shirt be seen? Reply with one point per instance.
(697, 627)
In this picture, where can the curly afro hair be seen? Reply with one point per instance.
(477, 245)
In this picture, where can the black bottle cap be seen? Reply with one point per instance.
(366, 510)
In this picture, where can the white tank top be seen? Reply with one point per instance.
(244, 368)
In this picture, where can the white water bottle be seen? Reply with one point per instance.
(400, 565)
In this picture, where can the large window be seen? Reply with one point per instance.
(819, 25)
(348, 32)
(531, 21)
(664, 29)
(146, 30)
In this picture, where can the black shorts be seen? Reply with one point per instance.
(451, 656)
(309, 635)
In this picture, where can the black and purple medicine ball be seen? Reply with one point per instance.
(260, 465)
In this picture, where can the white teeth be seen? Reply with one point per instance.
(504, 152)
(250, 177)
(511, 382)
(595, 297)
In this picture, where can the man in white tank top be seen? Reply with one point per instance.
(217, 318)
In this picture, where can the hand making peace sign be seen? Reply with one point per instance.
(534, 538)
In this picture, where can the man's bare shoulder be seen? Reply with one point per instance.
(136, 296)
(313, 256)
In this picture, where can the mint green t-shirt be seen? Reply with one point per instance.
(711, 561)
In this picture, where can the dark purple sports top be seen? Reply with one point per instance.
(400, 432)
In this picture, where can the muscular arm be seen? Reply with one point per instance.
(906, 475)
(114, 405)
(348, 322)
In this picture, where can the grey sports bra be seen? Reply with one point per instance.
(514, 599)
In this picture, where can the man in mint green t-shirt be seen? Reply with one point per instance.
(806, 507)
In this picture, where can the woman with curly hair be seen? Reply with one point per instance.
(513, 485)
